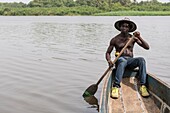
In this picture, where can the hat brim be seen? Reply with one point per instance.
(132, 25)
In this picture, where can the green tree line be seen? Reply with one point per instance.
(81, 7)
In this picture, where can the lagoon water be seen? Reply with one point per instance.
(48, 62)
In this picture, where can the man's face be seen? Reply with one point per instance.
(124, 27)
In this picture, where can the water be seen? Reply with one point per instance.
(48, 62)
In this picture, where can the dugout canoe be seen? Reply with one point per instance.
(130, 100)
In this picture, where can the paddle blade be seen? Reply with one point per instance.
(92, 100)
(91, 90)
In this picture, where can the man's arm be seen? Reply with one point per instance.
(108, 52)
(139, 40)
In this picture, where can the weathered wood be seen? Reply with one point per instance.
(105, 95)
(150, 105)
(159, 88)
(116, 105)
(130, 101)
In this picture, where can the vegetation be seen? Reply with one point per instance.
(86, 7)
(134, 13)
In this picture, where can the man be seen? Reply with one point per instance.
(126, 60)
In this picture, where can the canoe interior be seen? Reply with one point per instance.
(130, 100)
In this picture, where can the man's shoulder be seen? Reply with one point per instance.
(115, 38)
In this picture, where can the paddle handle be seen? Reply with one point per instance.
(123, 49)
(130, 40)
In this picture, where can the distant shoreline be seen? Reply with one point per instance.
(135, 13)
(75, 11)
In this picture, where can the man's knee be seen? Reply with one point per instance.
(141, 60)
(121, 62)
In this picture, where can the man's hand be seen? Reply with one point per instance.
(137, 36)
(140, 40)
(110, 63)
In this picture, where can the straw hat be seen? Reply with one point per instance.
(132, 25)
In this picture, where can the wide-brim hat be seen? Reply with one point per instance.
(132, 25)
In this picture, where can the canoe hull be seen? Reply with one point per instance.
(160, 95)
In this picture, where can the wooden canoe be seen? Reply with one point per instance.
(130, 100)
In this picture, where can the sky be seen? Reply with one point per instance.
(27, 1)
(24, 1)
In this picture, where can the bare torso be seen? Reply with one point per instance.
(119, 42)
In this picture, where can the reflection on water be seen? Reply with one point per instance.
(47, 62)
(92, 100)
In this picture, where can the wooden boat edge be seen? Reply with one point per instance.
(160, 92)
(103, 106)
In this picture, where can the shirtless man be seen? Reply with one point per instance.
(126, 59)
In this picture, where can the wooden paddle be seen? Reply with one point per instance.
(91, 90)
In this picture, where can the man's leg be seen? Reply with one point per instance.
(121, 64)
(140, 62)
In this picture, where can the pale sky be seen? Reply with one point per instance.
(27, 1)
(24, 1)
